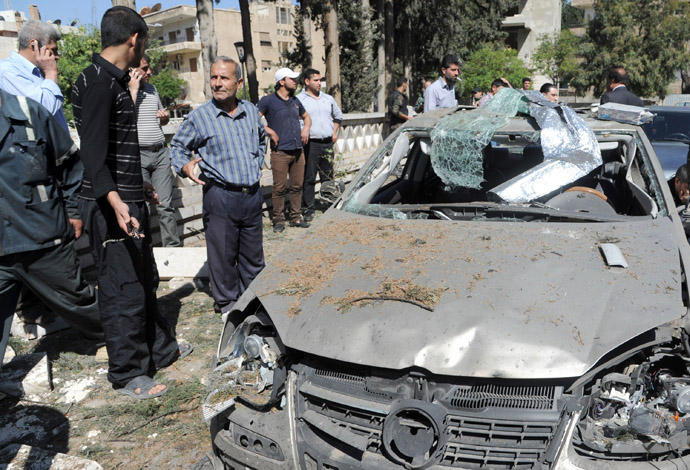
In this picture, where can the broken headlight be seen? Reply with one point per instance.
(250, 370)
(642, 411)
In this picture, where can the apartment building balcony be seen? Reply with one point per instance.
(181, 47)
(171, 15)
(516, 22)
(584, 4)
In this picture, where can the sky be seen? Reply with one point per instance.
(90, 11)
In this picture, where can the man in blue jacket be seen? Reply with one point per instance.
(40, 174)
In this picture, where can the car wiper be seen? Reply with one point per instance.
(468, 211)
(551, 214)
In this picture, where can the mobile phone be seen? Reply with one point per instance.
(33, 45)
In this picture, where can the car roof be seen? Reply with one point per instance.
(670, 109)
(519, 123)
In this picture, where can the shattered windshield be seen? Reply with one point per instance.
(547, 165)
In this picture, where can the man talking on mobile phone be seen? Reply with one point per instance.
(33, 72)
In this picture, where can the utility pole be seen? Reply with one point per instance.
(8, 4)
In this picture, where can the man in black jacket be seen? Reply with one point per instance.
(40, 174)
(617, 91)
(397, 105)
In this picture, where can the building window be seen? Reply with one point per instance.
(190, 34)
(266, 65)
(192, 64)
(283, 15)
(265, 39)
(172, 36)
(176, 65)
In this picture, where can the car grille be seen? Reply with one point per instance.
(489, 425)
(490, 395)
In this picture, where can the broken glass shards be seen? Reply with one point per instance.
(459, 139)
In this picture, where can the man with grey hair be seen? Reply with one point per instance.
(227, 135)
(33, 72)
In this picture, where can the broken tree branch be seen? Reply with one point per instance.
(397, 299)
(181, 410)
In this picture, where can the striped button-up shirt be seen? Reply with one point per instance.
(231, 147)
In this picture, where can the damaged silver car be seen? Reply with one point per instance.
(498, 288)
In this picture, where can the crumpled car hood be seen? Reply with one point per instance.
(509, 299)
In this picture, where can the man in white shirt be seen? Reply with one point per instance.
(441, 93)
(326, 118)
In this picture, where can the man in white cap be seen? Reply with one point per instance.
(283, 111)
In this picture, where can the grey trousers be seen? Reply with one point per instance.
(156, 169)
(53, 274)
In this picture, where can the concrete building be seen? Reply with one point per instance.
(11, 22)
(532, 20)
(272, 33)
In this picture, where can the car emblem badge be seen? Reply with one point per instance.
(412, 433)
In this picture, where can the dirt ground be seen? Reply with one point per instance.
(83, 416)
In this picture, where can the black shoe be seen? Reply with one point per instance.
(308, 216)
(299, 223)
(278, 228)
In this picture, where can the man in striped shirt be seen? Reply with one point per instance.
(155, 159)
(227, 135)
(138, 338)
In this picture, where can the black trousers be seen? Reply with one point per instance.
(138, 339)
(319, 158)
(52, 274)
(234, 241)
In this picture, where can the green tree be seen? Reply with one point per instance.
(164, 78)
(76, 50)
(169, 86)
(301, 56)
(571, 16)
(426, 30)
(647, 37)
(488, 64)
(556, 56)
(358, 77)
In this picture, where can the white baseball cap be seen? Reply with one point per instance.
(285, 72)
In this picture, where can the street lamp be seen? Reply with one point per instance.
(240, 55)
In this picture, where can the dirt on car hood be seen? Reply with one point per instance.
(482, 299)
